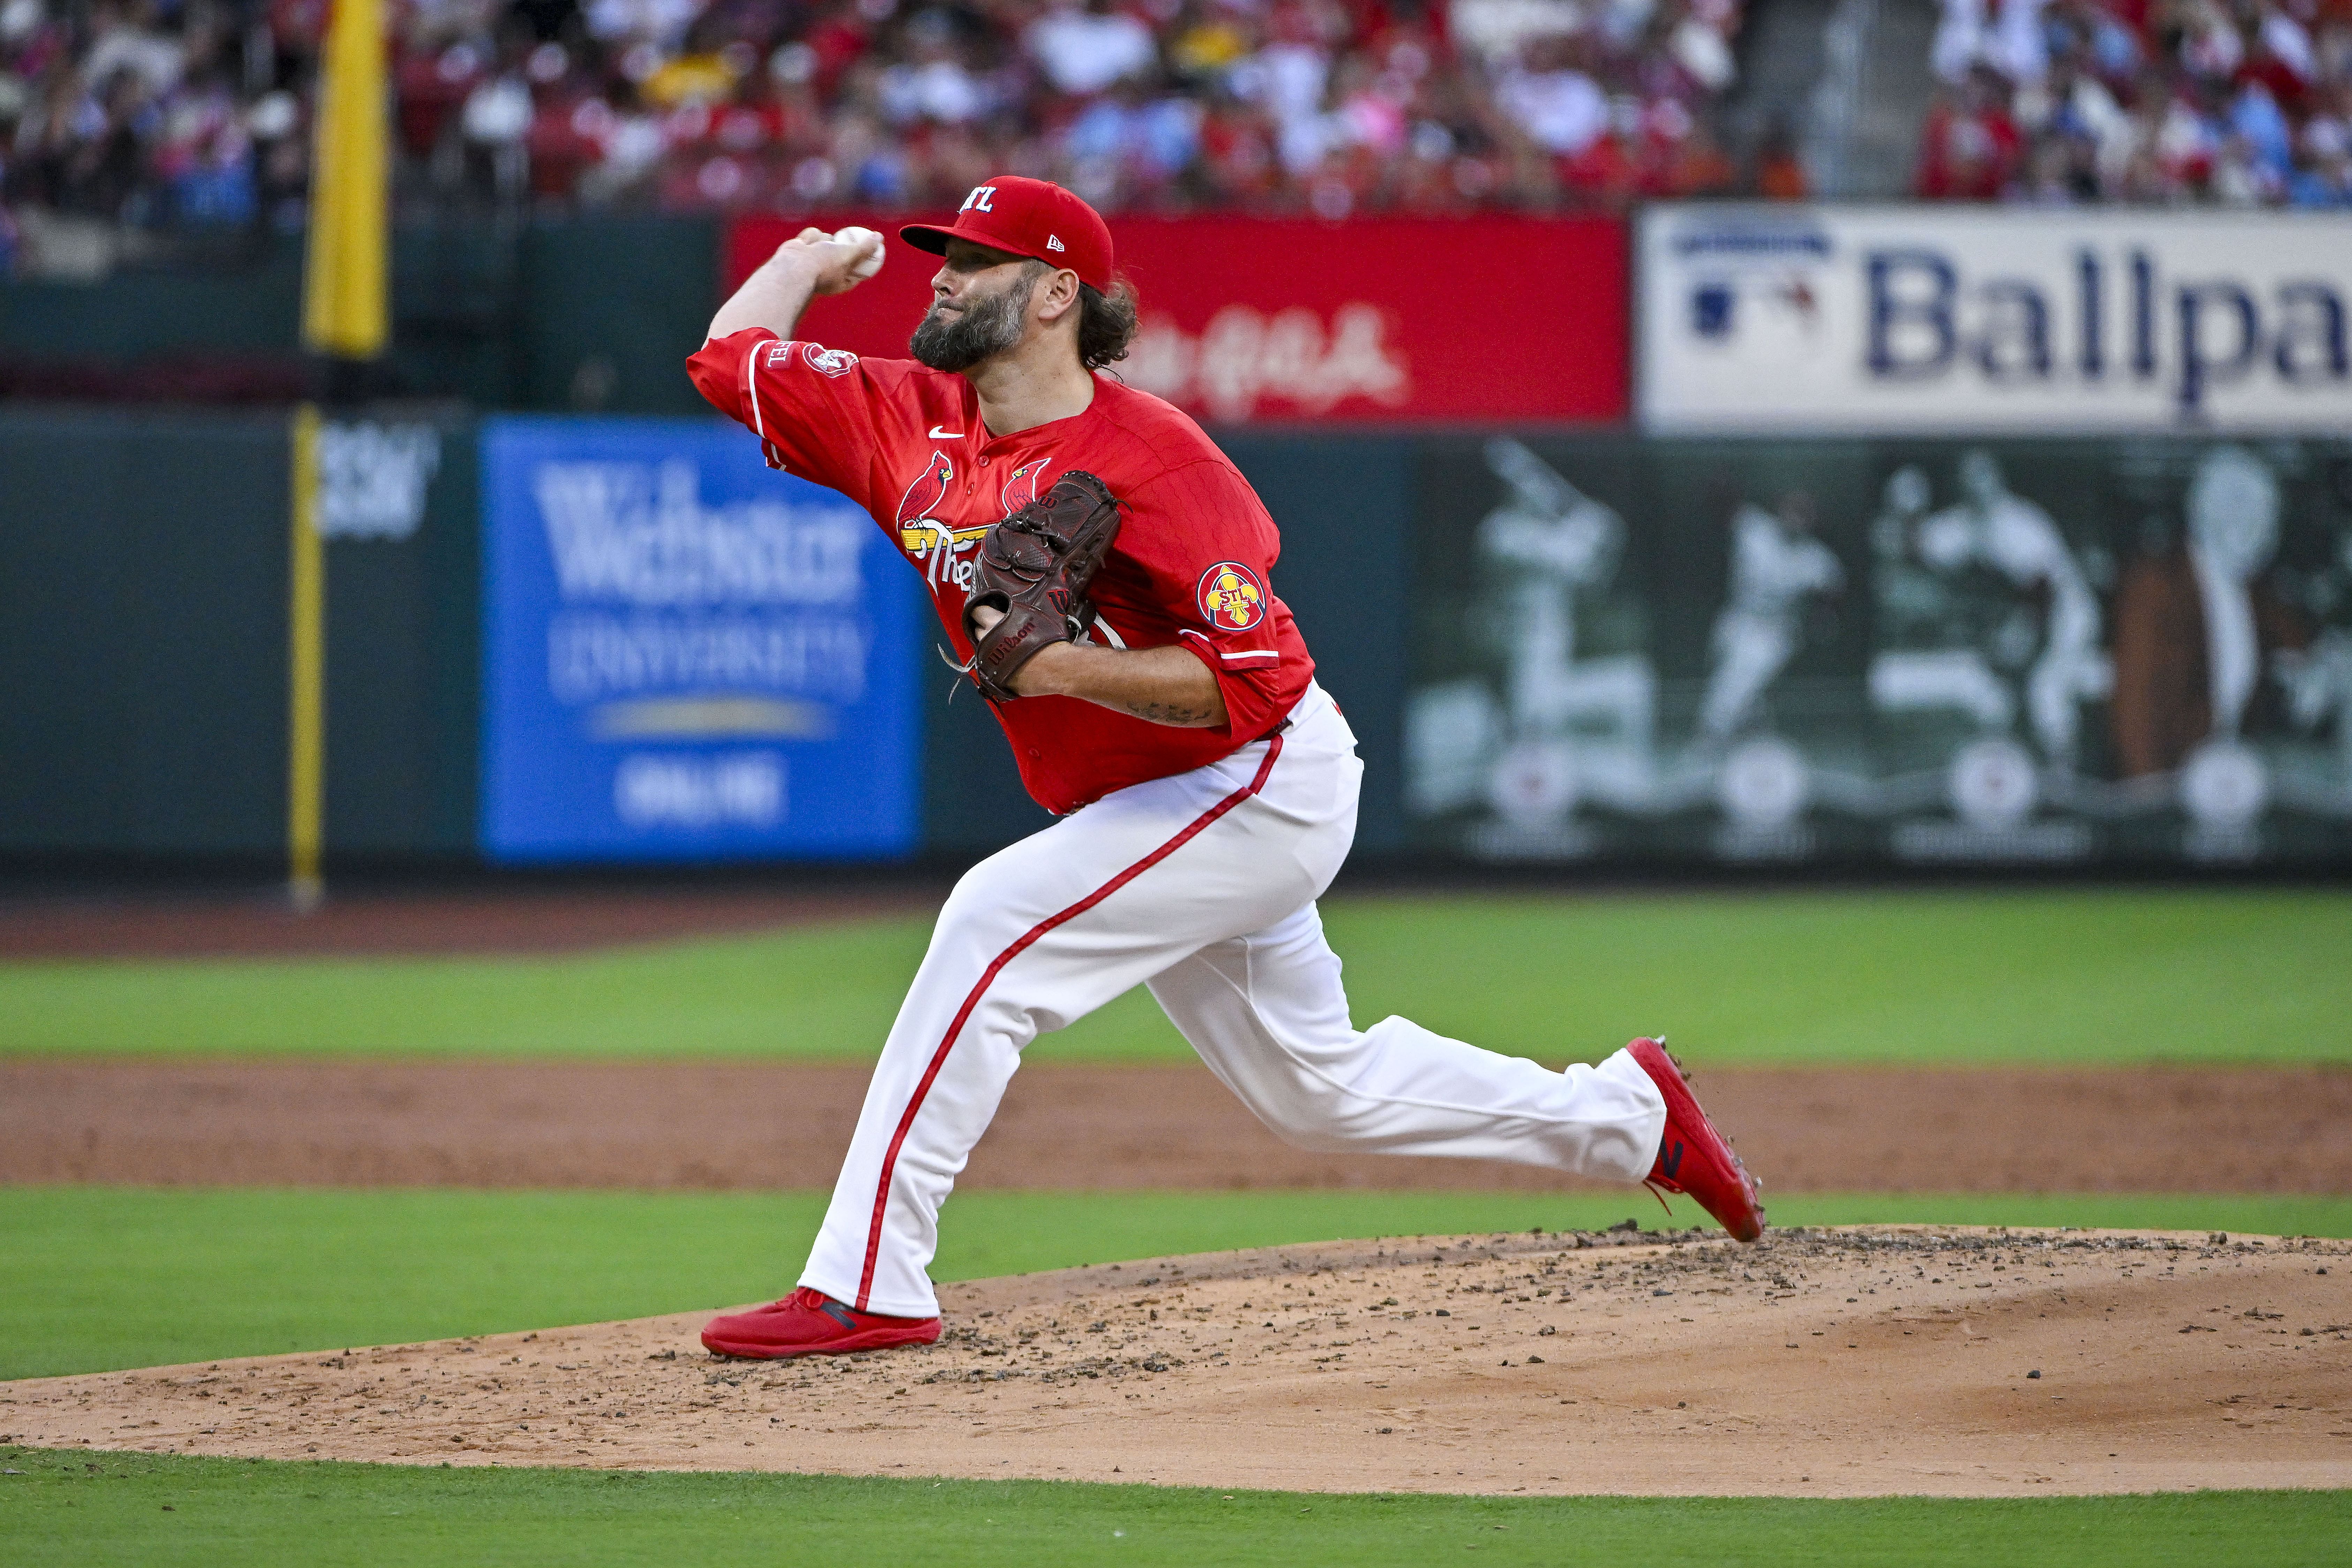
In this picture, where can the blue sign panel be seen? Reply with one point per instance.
(686, 656)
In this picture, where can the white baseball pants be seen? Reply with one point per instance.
(1201, 886)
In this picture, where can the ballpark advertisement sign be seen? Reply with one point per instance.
(684, 656)
(1862, 320)
(1377, 320)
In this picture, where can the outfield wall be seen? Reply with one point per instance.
(143, 587)
(1557, 649)
(579, 313)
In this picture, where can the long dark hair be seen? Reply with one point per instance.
(1106, 323)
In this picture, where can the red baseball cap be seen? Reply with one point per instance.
(1027, 218)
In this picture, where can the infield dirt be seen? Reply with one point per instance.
(1066, 1125)
(1822, 1363)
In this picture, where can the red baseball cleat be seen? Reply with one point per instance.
(809, 1322)
(1693, 1157)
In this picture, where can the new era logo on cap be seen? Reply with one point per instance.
(1026, 218)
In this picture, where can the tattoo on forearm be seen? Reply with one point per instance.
(1169, 713)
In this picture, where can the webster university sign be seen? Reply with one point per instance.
(1947, 319)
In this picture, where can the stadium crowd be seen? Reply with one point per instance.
(163, 110)
(2239, 102)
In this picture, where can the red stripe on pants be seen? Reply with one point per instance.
(988, 977)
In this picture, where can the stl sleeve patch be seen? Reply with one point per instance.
(1231, 597)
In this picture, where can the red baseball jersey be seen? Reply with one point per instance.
(1193, 565)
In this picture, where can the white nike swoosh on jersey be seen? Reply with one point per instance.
(939, 434)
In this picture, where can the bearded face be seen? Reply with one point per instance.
(956, 335)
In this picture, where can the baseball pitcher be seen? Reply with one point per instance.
(1106, 578)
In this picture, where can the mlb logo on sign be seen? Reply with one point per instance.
(1711, 305)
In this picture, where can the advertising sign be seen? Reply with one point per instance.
(1952, 652)
(1381, 321)
(1932, 320)
(684, 656)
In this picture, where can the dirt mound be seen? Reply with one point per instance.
(1062, 1124)
(1822, 1362)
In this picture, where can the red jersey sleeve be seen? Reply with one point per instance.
(1222, 593)
(814, 408)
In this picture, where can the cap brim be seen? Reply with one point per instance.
(932, 237)
(929, 236)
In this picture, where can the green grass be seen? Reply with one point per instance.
(72, 1509)
(2074, 976)
(104, 1277)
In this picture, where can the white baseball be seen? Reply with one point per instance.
(868, 264)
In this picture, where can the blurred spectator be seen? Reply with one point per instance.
(1970, 148)
(1561, 108)
(2324, 179)
(147, 112)
(1086, 48)
(2240, 103)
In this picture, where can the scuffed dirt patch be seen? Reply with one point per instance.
(1822, 1363)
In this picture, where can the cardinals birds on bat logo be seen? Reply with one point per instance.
(1232, 598)
(926, 539)
(917, 532)
(1021, 485)
(930, 489)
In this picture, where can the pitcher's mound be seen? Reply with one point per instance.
(1821, 1363)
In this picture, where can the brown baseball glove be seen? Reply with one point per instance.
(1036, 566)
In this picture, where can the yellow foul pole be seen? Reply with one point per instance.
(345, 317)
(306, 717)
(344, 311)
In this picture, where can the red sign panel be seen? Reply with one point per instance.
(1372, 321)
